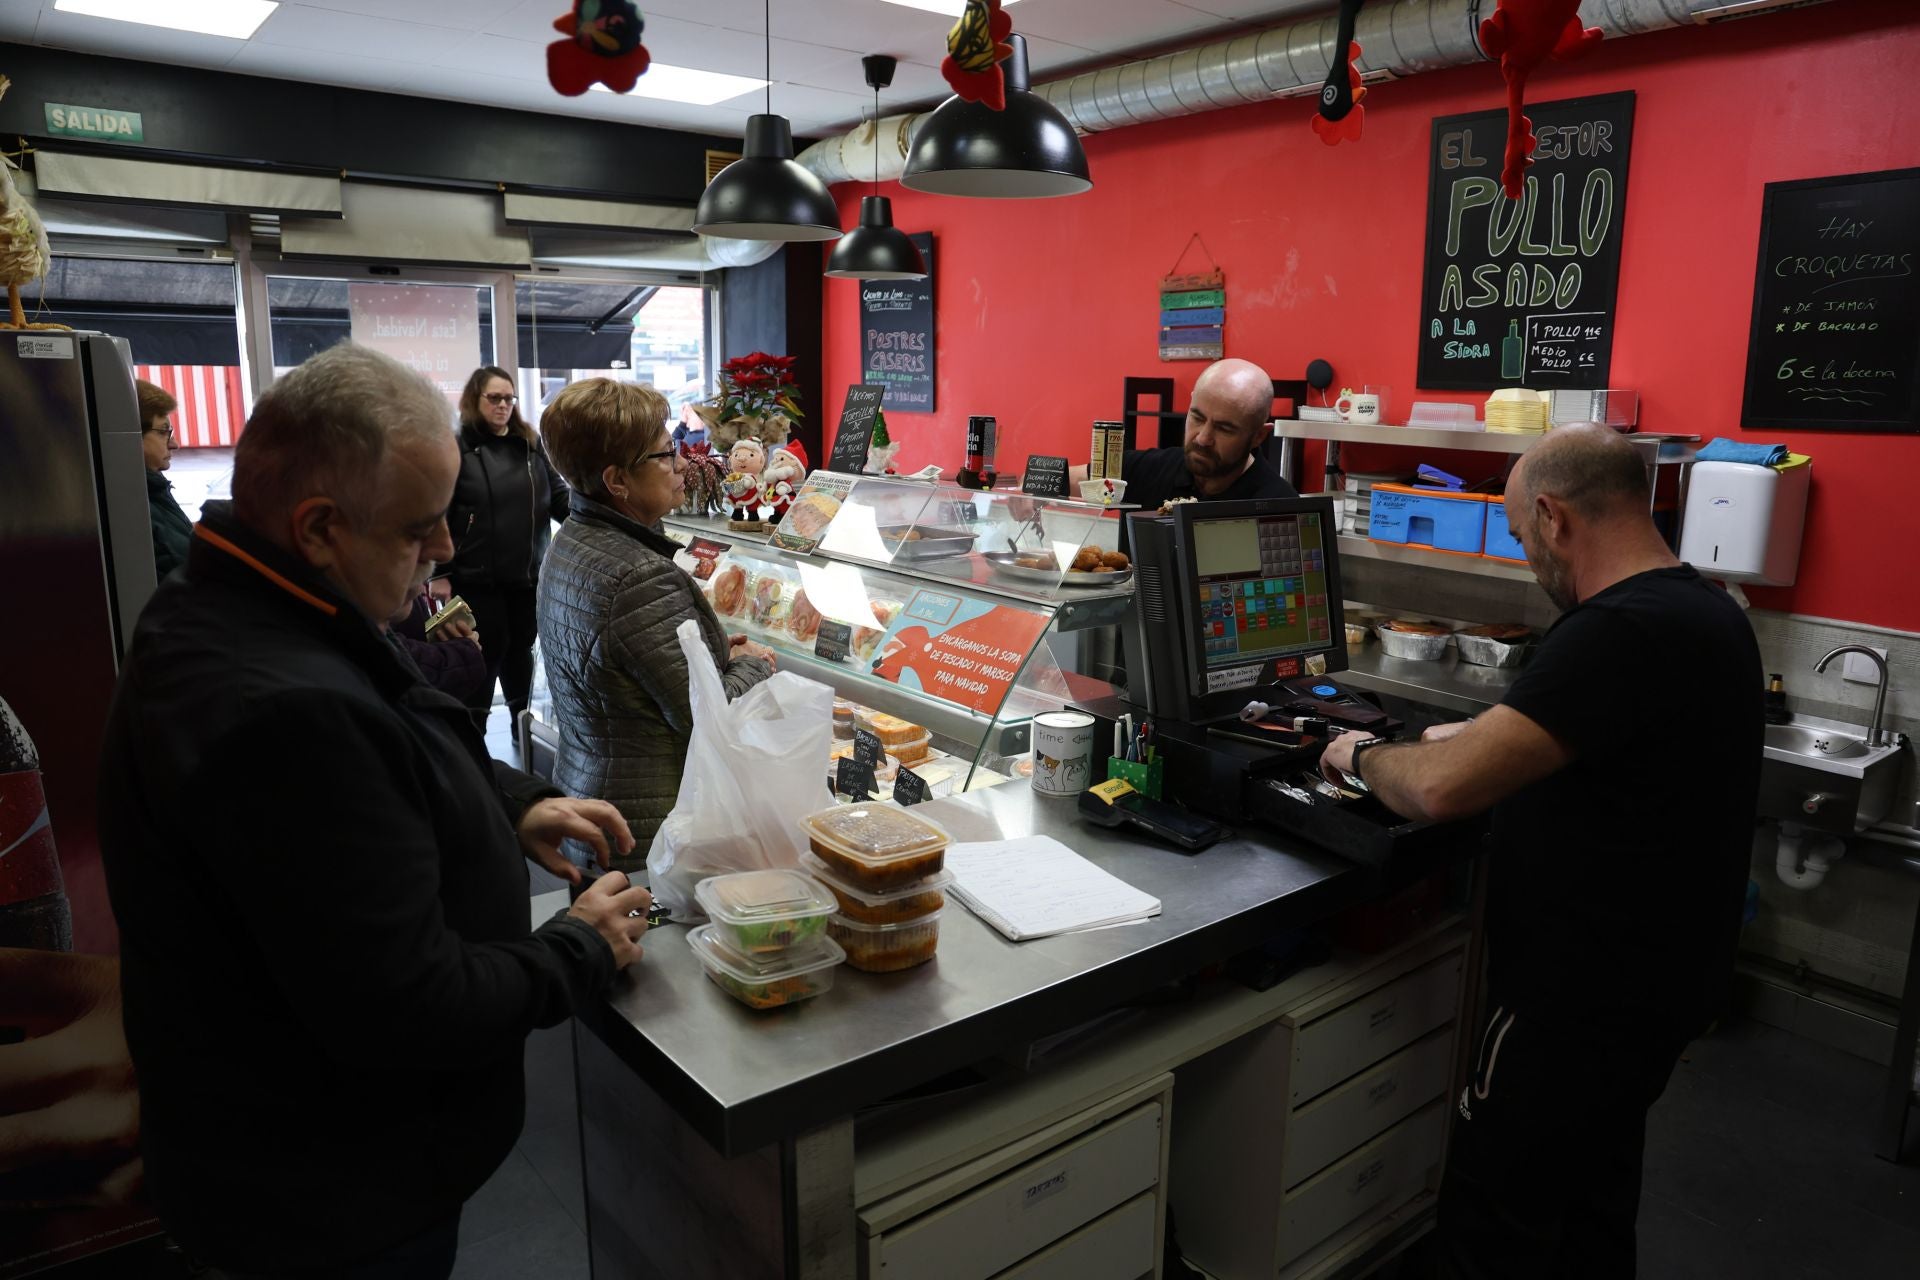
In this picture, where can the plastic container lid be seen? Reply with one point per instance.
(894, 926)
(818, 953)
(763, 897)
(875, 834)
(874, 898)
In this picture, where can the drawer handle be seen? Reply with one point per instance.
(1383, 1015)
(1382, 1091)
(1368, 1174)
(1043, 1189)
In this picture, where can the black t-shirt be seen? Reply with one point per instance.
(1155, 475)
(1618, 882)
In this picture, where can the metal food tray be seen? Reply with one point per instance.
(1485, 651)
(1003, 563)
(1407, 644)
(934, 542)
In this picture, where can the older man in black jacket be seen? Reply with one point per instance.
(316, 869)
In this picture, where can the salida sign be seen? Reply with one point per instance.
(1521, 292)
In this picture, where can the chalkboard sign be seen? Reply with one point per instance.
(855, 778)
(909, 788)
(834, 641)
(1046, 476)
(854, 435)
(1521, 292)
(867, 748)
(896, 336)
(1836, 305)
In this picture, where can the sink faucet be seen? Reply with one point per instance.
(1876, 737)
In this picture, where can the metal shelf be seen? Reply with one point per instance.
(1479, 566)
(1413, 437)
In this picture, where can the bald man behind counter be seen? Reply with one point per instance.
(1228, 421)
(1623, 771)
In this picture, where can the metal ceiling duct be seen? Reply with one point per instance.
(1400, 38)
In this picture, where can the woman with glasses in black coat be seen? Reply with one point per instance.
(504, 506)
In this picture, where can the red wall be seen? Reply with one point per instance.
(1044, 306)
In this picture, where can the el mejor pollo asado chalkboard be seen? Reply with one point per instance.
(1836, 305)
(896, 336)
(1520, 293)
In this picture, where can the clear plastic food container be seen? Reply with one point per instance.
(876, 846)
(885, 948)
(892, 906)
(765, 911)
(891, 730)
(912, 751)
(767, 982)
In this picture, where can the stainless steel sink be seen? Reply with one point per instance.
(1817, 744)
(1823, 774)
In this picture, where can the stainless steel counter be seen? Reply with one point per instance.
(1449, 683)
(744, 1078)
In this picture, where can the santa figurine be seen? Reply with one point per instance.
(745, 461)
(786, 472)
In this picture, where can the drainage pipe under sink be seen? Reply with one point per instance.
(1803, 857)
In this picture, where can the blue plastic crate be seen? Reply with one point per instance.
(1501, 544)
(1454, 522)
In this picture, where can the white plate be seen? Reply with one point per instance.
(1053, 577)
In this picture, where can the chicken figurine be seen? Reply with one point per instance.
(1522, 34)
(24, 255)
(1341, 117)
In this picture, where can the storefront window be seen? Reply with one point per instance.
(571, 330)
(443, 330)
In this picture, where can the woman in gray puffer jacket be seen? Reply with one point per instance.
(610, 601)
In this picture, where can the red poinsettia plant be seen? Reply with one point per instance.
(756, 386)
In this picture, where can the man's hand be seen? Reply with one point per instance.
(617, 912)
(1338, 757)
(69, 1111)
(547, 822)
(745, 648)
(457, 629)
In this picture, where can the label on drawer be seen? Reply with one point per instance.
(1039, 1191)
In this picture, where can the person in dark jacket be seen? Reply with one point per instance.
(170, 523)
(327, 971)
(504, 506)
(612, 599)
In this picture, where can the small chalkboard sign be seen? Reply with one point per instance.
(909, 787)
(834, 641)
(1046, 476)
(1835, 343)
(897, 337)
(855, 432)
(867, 748)
(855, 778)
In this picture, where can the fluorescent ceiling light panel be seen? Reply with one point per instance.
(237, 19)
(689, 85)
(951, 8)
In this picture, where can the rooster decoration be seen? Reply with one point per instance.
(24, 256)
(603, 44)
(976, 46)
(1341, 116)
(1522, 33)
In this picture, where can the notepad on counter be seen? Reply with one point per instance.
(1035, 887)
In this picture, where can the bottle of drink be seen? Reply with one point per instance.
(978, 472)
(1513, 349)
(34, 911)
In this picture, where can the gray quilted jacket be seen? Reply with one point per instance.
(610, 599)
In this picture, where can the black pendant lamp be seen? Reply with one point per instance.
(1027, 151)
(765, 194)
(876, 249)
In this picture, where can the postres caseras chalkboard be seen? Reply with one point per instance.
(1520, 293)
(1836, 305)
(896, 336)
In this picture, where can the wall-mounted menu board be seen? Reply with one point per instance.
(1836, 305)
(1521, 292)
(896, 336)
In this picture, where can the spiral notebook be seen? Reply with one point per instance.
(1035, 887)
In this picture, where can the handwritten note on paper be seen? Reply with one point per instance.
(1036, 887)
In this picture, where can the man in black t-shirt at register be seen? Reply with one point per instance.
(1229, 420)
(1623, 772)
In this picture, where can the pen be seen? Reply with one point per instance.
(1117, 751)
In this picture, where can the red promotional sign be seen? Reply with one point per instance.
(962, 652)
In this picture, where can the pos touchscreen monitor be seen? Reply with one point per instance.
(1230, 599)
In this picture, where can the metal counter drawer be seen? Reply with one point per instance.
(1357, 1111)
(1028, 1208)
(1355, 1036)
(1381, 1175)
(1116, 1247)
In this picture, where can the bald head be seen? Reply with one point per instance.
(1240, 388)
(1590, 468)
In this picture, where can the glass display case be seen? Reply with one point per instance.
(943, 618)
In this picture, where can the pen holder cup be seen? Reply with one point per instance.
(1147, 779)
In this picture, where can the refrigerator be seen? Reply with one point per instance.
(76, 566)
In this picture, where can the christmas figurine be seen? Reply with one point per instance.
(745, 461)
(786, 472)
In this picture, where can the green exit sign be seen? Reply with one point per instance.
(102, 123)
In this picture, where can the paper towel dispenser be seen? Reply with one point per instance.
(1743, 522)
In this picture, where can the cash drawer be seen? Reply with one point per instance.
(1116, 1247)
(991, 1228)
(1355, 1036)
(1388, 1171)
(1353, 1113)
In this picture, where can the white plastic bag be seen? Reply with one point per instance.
(755, 767)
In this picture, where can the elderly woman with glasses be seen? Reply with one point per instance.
(610, 602)
(504, 506)
(171, 528)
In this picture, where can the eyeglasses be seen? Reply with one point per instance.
(166, 431)
(666, 455)
(496, 397)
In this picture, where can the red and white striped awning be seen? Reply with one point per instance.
(212, 412)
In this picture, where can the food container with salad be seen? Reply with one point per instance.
(768, 982)
(759, 912)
